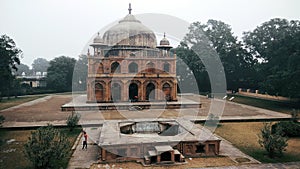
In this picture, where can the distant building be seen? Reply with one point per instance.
(37, 80)
(127, 65)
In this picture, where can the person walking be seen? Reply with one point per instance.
(84, 145)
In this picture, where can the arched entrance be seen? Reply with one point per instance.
(167, 91)
(115, 68)
(115, 92)
(166, 156)
(99, 92)
(150, 92)
(133, 92)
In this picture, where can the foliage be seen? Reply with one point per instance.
(289, 128)
(40, 65)
(23, 68)
(46, 147)
(191, 73)
(277, 44)
(60, 73)
(295, 115)
(215, 40)
(273, 142)
(9, 59)
(80, 73)
(73, 120)
(212, 120)
(2, 118)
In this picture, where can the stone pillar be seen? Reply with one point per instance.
(107, 92)
(206, 149)
(143, 91)
(125, 92)
(103, 152)
(172, 156)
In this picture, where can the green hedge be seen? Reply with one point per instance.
(289, 128)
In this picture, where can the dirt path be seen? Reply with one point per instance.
(43, 109)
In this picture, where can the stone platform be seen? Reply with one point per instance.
(79, 104)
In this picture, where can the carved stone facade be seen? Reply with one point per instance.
(127, 65)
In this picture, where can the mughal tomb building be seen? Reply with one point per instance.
(126, 64)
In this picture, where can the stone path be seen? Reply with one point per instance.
(290, 165)
(227, 149)
(83, 159)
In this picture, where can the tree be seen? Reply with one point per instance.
(46, 147)
(277, 44)
(60, 73)
(273, 142)
(23, 68)
(2, 119)
(80, 74)
(190, 69)
(73, 120)
(216, 36)
(9, 59)
(40, 65)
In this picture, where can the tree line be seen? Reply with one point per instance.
(59, 77)
(266, 59)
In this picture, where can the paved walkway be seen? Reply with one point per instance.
(290, 165)
(83, 159)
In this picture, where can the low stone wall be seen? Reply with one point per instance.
(248, 92)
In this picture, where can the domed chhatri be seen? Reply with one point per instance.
(164, 43)
(98, 39)
(127, 65)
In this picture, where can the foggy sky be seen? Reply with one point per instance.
(51, 28)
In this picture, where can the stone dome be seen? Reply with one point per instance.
(164, 42)
(98, 39)
(130, 32)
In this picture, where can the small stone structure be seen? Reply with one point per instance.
(155, 141)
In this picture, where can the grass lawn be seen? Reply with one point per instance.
(5, 103)
(245, 137)
(284, 107)
(11, 154)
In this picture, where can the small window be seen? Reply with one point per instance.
(167, 67)
(133, 67)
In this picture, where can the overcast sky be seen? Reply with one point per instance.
(51, 28)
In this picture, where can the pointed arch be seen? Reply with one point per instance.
(150, 67)
(150, 91)
(167, 91)
(116, 91)
(115, 67)
(133, 67)
(99, 92)
(166, 67)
